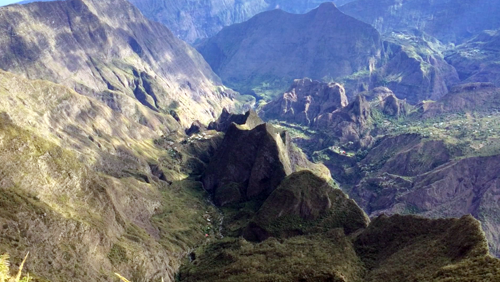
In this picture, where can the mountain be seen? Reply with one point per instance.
(435, 159)
(306, 100)
(251, 162)
(447, 20)
(113, 54)
(273, 48)
(88, 191)
(477, 60)
(195, 20)
(317, 234)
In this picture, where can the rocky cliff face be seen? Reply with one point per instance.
(273, 48)
(195, 20)
(251, 162)
(447, 20)
(305, 100)
(109, 51)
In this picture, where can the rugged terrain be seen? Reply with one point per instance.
(110, 51)
(447, 20)
(88, 191)
(435, 159)
(309, 231)
(273, 48)
(121, 151)
(196, 20)
(477, 60)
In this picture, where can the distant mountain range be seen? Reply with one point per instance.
(193, 20)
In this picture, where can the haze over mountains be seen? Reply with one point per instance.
(193, 20)
(369, 151)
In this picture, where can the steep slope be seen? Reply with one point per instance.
(109, 51)
(303, 204)
(88, 191)
(195, 20)
(397, 248)
(251, 162)
(273, 48)
(478, 60)
(447, 20)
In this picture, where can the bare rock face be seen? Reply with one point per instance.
(304, 203)
(394, 107)
(109, 51)
(348, 123)
(251, 119)
(306, 100)
(251, 162)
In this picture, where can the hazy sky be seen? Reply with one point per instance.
(7, 2)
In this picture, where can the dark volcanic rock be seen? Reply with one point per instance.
(251, 119)
(306, 100)
(276, 47)
(391, 106)
(305, 203)
(110, 51)
(250, 164)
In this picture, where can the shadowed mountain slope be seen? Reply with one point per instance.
(192, 20)
(110, 51)
(305, 222)
(251, 162)
(478, 60)
(274, 48)
(448, 20)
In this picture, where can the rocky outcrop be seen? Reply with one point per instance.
(252, 162)
(250, 119)
(282, 47)
(306, 100)
(415, 71)
(109, 51)
(304, 203)
(195, 20)
(447, 20)
(393, 107)
(349, 124)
